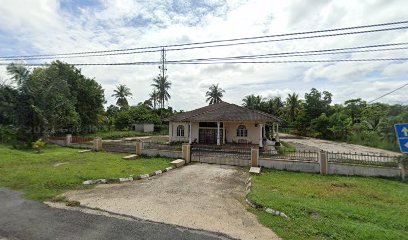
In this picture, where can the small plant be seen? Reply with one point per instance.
(38, 145)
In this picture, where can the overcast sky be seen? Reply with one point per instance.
(52, 26)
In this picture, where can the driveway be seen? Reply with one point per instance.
(331, 146)
(25, 219)
(199, 196)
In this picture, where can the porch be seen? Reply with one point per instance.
(226, 133)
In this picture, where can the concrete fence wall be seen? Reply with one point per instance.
(298, 166)
(323, 166)
(371, 171)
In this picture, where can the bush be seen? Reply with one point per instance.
(38, 145)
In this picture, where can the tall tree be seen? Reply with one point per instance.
(121, 93)
(162, 85)
(214, 94)
(293, 104)
(252, 101)
(154, 97)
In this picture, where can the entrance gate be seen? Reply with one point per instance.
(225, 155)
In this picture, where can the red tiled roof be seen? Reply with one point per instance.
(223, 112)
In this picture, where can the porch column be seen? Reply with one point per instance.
(273, 130)
(223, 133)
(264, 131)
(277, 132)
(189, 133)
(260, 135)
(218, 133)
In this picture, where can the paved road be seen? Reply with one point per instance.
(25, 219)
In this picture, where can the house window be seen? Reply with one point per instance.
(180, 131)
(242, 131)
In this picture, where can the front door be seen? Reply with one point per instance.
(209, 136)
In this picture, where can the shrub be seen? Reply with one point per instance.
(38, 145)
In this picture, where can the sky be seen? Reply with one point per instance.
(63, 26)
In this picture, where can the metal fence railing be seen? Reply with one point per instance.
(162, 145)
(363, 159)
(200, 152)
(290, 154)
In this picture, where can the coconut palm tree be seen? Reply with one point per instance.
(121, 93)
(154, 97)
(253, 102)
(162, 85)
(293, 104)
(214, 94)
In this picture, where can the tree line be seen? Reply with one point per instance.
(354, 121)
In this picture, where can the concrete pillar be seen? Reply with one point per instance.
(186, 152)
(323, 161)
(139, 147)
(254, 157)
(218, 134)
(97, 144)
(68, 139)
(189, 133)
(170, 131)
(260, 135)
(401, 166)
(224, 132)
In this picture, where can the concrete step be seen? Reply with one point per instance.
(131, 157)
(256, 170)
(178, 163)
(85, 151)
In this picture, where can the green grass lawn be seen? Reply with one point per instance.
(37, 175)
(332, 207)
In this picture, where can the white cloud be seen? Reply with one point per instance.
(43, 27)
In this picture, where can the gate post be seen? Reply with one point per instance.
(97, 144)
(254, 157)
(139, 147)
(68, 139)
(402, 167)
(323, 162)
(186, 152)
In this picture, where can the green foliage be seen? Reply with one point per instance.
(162, 85)
(139, 114)
(42, 177)
(49, 98)
(214, 94)
(331, 207)
(39, 145)
(121, 93)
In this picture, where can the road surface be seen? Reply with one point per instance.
(25, 219)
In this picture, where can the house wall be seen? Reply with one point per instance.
(173, 132)
(231, 132)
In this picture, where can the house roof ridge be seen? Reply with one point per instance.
(259, 112)
(209, 110)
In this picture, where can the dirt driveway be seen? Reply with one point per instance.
(331, 146)
(200, 196)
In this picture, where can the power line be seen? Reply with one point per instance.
(406, 84)
(187, 62)
(232, 40)
(249, 56)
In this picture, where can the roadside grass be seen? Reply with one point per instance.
(331, 207)
(41, 179)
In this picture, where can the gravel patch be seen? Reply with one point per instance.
(332, 146)
(199, 196)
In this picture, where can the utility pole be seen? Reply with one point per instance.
(163, 62)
